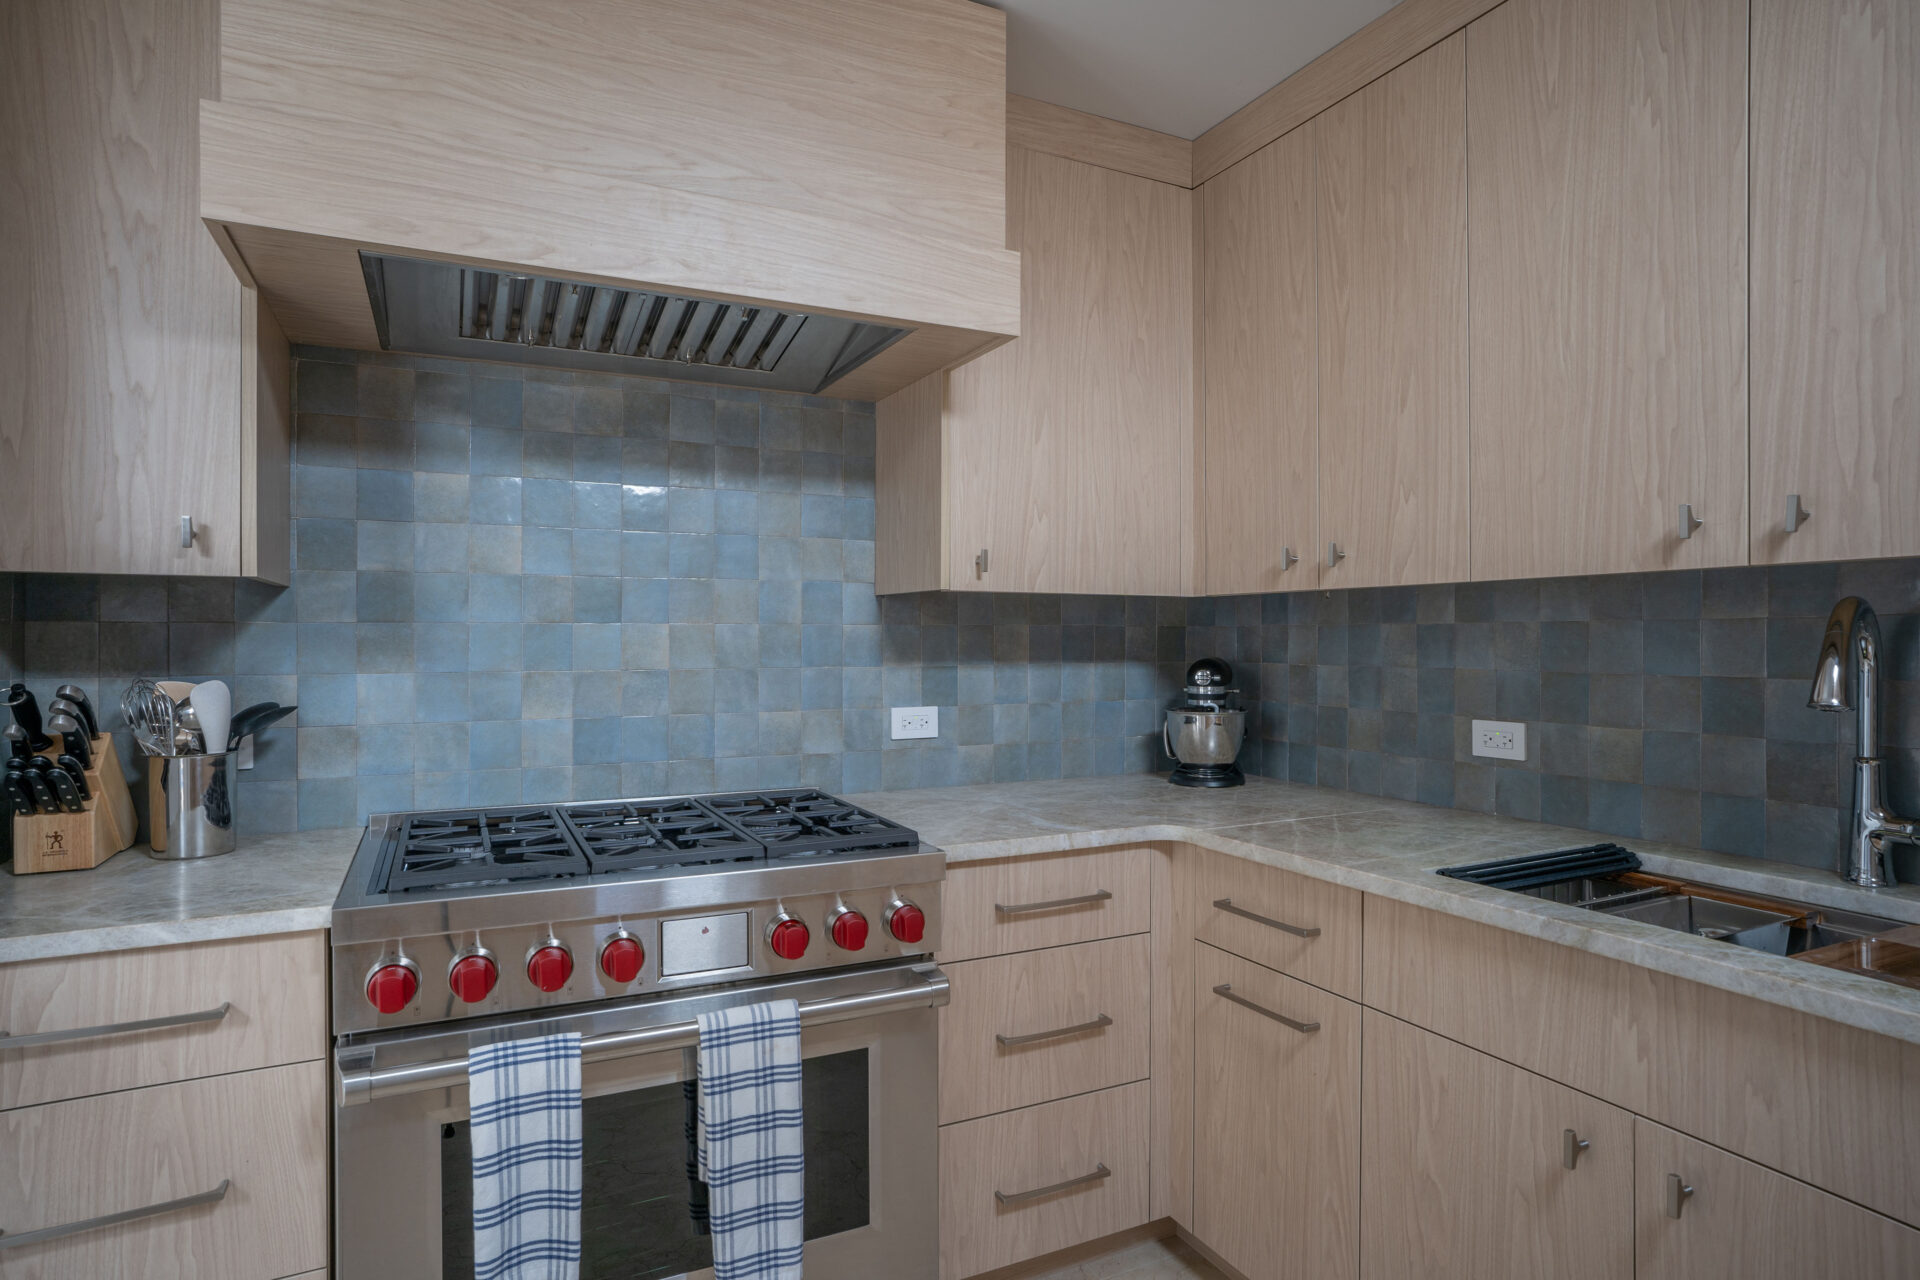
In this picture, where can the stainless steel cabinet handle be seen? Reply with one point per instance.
(1225, 991)
(1571, 1145)
(1688, 521)
(980, 565)
(1797, 515)
(14, 1240)
(1034, 1037)
(38, 1038)
(1334, 554)
(1226, 904)
(1016, 1197)
(1288, 559)
(1677, 1193)
(186, 531)
(1098, 895)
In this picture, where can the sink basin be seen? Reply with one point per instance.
(1733, 922)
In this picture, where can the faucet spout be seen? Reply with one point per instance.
(1847, 678)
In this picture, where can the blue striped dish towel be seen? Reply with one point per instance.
(752, 1151)
(524, 1109)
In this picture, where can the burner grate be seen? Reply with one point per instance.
(638, 835)
(806, 822)
(458, 850)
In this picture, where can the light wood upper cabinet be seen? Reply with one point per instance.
(1393, 326)
(1259, 371)
(140, 382)
(1836, 277)
(1067, 455)
(1608, 254)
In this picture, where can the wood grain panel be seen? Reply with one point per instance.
(1331, 960)
(266, 450)
(1608, 251)
(1096, 140)
(1462, 1173)
(1393, 326)
(276, 986)
(1038, 991)
(1836, 277)
(1276, 1117)
(1039, 1147)
(1072, 454)
(1811, 1098)
(1402, 32)
(1171, 1053)
(909, 475)
(266, 1131)
(121, 375)
(972, 925)
(1259, 371)
(1743, 1220)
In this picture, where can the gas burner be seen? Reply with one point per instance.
(460, 850)
(807, 822)
(640, 835)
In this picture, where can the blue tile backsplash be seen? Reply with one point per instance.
(514, 585)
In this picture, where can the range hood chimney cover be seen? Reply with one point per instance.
(446, 309)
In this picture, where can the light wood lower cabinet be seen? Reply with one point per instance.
(1276, 1119)
(262, 1132)
(1464, 1168)
(1296, 924)
(1085, 1156)
(1699, 1211)
(993, 908)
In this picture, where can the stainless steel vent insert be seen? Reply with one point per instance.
(446, 309)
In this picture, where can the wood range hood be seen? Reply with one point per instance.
(807, 197)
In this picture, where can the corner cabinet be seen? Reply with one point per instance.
(1062, 461)
(145, 384)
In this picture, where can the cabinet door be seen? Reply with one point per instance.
(1071, 448)
(1737, 1218)
(1276, 1120)
(1259, 372)
(1608, 250)
(1393, 317)
(1463, 1169)
(1836, 277)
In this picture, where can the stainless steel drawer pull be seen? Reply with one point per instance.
(1100, 1171)
(1571, 1145)
(14, 1240)
(1226, 904)
(1085, 899)
(1677, 1193)
(38, 1038)
(1035, 1037)
(1225, 990)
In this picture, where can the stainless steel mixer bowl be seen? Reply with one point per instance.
(1204, 737)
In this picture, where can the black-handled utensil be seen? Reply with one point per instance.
(64, 792)
(78, 772)
(253, 719)
(26, 714)
(19, 799)
(43, 800)
(78, 697)
(17, 742)
(62, 706)
(74, 738)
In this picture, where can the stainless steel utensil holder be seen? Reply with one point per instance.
(190, 805)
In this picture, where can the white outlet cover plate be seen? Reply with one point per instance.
(916, 722)
(1500, 739)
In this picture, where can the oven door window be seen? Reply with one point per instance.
(642, 1214)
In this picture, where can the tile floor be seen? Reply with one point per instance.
(1168, 1259)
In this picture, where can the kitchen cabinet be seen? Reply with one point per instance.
(1836, 278)
(1466, 1168)
(145, 384)
(1276, 1121)
(1259, 371)
(1063, 461)
(1393, 327)
(1607, 247)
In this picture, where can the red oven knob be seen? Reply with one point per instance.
(906, 922)
(391, 987)
(622, 957)
(549, 967)
(472, 976)
(849, 930)
(788, 938)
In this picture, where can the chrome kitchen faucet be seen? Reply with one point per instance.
(1848, 679)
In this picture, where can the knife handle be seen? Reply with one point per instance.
(19, 799)
(42, 794)
(65, 793)
(78, 773)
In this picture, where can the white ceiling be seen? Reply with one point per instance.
(1179, 66)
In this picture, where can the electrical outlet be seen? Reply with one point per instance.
(1501, 739)
(916, 722)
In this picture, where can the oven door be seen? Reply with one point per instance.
(869, 1044)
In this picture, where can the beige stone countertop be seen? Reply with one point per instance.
(269, 885)
(1392, 848)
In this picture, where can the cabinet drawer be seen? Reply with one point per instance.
(998, 907)
(275, 990)
(1055, 1146)
(998, 1049)
(262, 1132)
(1259, 914)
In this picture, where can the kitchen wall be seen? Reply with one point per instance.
(514, 585)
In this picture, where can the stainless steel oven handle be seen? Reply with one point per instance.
(366, 1085)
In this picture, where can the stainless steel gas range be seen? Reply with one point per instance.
(623, 920)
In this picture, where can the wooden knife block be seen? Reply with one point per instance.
(76, 841)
